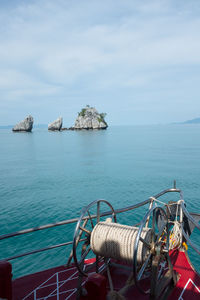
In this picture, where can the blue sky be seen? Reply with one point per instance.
(138, 61)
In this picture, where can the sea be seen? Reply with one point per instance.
(47, 177)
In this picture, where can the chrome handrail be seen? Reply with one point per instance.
(70, 221)
(41, 250)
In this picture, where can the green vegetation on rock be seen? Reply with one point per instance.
(82, 113)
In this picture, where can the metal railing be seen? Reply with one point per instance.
(71, 221)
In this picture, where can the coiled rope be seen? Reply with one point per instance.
(112, 240)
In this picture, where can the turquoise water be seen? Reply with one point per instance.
(49, 176)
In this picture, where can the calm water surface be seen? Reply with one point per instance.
(49, 176)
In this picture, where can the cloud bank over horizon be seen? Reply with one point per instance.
(136, 60)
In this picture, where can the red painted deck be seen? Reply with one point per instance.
(60, 283)
(54, 284)
(188, 286)
(47, 285)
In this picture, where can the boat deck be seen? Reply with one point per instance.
(60, 283)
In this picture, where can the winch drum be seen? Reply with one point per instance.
(116, 241)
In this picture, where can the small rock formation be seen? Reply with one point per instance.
(89, 118)
(25, 125)
(56, 125)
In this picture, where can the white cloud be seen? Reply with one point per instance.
(48, 47)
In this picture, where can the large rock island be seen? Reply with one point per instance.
(89, 118)
(26, 125)
(56, 125)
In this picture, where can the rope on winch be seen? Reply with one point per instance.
(112, 240)
(175, 238)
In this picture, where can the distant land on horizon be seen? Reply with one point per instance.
(193, 121)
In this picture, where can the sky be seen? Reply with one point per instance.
(138, 61)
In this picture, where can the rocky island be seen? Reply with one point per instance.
(89, 118)
(25, 126)
(56, 125)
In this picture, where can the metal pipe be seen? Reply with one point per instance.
(70, 221)
(41, 250)
(5, 236)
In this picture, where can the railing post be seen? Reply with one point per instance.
(175, 184)
(181, 218)
(150, 207)
(181, 211)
